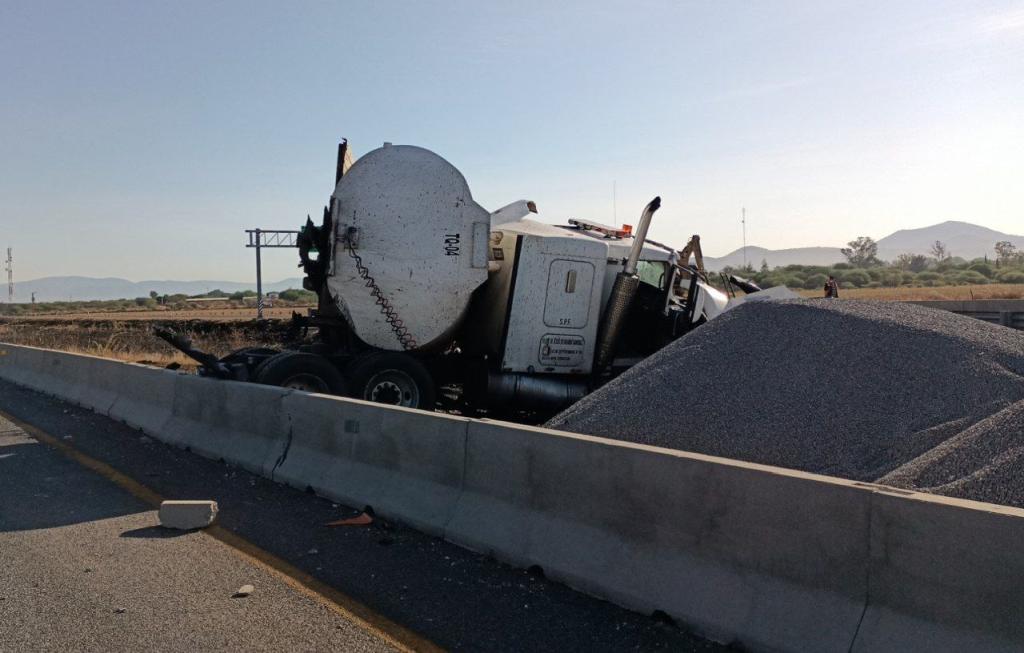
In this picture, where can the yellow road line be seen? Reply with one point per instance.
(390, 632)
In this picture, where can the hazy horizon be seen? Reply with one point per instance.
(141, 140)
(952, 243)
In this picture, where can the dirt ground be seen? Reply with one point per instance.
(129, 335)
(206, 314)
(956, 293)
(132, 339)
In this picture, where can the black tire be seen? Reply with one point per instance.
(258, 351)
(308, 372)
(241, 355)
(392, 378)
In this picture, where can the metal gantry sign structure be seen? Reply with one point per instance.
(274, 238)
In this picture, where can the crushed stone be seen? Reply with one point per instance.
(883, 392)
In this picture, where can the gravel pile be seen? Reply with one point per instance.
(984, 462)
(871, 391)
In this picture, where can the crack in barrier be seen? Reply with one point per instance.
(867, 572)
(111, 407)
(287, 445)
(462, 483)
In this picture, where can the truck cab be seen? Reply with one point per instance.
(542, 306)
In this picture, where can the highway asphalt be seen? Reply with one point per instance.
(84, 566)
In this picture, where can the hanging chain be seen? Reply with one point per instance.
(386, 309)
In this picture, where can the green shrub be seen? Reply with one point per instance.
(241, 295)
(985, 269)
(857, 278)
(971, 277)
(815, 282)
(296, 295)
(1010, 276)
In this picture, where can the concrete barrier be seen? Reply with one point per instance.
(406, 464)
(761, 557)
(945, 575)
(1005, 312)
(974, 305)
(146, 397)
(242, 423)
(742, 553)
(88, 381)
(18, 365)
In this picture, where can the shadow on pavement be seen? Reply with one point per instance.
(155, 533)
(40, 488)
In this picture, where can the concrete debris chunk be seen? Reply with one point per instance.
(187, 515)
(872, 391)
(243, 591)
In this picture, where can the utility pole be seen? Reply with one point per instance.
(744, 221)
(10, 277)
(260, 238)
(615, 204)
(259, 279)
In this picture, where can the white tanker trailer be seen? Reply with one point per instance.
(427, 299)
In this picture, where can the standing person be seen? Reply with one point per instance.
(831, 288)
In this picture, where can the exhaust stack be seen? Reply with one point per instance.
(344, 161)
(623, 292)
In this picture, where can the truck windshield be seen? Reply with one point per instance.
(653, 273)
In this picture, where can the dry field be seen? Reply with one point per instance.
(955, 293)
(128, 335)
(211, 314)
(133, 340)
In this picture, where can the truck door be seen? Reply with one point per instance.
(567, 304)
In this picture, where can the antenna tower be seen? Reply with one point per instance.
(744, 221)
(615, 204)
(10, 277)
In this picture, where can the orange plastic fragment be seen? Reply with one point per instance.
(362, 519)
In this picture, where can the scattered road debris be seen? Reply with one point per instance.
(362, 519)
(187, 515)
(243, 591)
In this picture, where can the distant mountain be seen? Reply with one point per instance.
(53, 289)
(776, 257)
(962, 239)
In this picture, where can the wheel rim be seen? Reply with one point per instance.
(307, 383)
(393, 387)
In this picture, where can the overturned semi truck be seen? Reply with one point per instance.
(427, 299)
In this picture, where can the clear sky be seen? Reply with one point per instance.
(139, 139)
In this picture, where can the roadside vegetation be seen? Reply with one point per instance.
(864, 270)
(157, 302)
(928, 293)
(133, 340)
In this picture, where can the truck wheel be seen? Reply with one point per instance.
(252, 351)
(301, 371)
(242, 355)
(392, 378)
